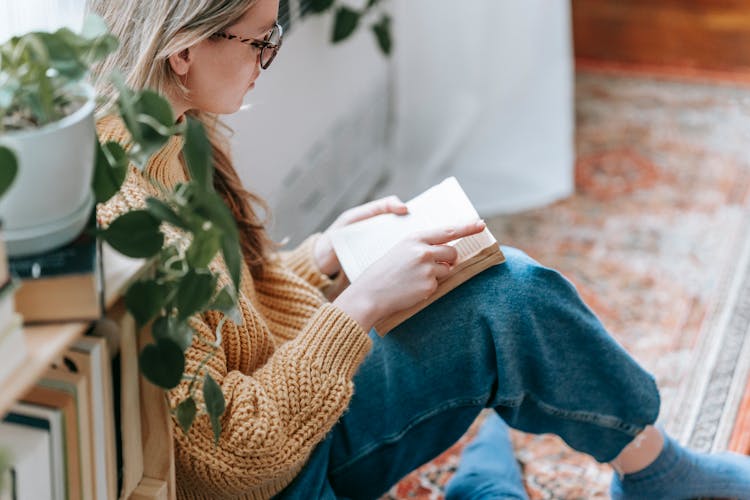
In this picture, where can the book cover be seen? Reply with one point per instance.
(7, 303)
(29, 448)
(75, 384)
(89, 357)
(49, 419)
(359, 245)
(64, 284)
(66, 403)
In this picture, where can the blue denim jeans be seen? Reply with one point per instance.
(516, 338)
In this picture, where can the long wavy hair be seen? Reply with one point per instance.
(149, 32)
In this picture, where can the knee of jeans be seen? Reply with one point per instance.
(529, 279)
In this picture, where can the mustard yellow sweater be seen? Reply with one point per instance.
(286, 372)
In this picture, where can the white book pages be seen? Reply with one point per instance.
(359, 245)
(57, 442)
(30, 451)
(85, 349)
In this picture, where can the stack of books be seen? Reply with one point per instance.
(13, 350)
(59, 438)
(61, 435)
(64, 284)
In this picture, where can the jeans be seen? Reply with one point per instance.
(516, 338)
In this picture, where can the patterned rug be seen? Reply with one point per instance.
(656, 241)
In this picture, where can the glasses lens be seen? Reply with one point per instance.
(274, 36)
(268, 53)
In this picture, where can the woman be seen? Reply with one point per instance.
(316, 407)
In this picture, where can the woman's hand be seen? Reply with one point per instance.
(325, 257)
(405, 276)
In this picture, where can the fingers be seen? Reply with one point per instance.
(387, 205)
(442, 270)
(444, 253)
(448, 234)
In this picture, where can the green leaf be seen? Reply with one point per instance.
(164, 212)
(194, 293)
(318, 6)
(185, 413)
(93, 26)
(135, 234)
(63, 56)
(226, 302)
(345, 23)
(110, 170)
(203, 248)
(382, 30)
(197, 151)
(152, 104)
(8, 90)
(211, 205)
(162, 363)
(169, 327)
(8, 169)
(126, 103)
(215, 404)
(372, 3)
(230, 250)
(98, 48)
(154, 118)
(144, 300)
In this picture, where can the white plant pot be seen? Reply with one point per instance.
(51, 199)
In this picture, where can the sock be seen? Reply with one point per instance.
(488, 468)
(679, 473)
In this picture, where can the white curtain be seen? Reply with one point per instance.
(20, 16)
(483, 91)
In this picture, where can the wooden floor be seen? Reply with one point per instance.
(699, 34)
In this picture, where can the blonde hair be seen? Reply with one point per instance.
(149, 32)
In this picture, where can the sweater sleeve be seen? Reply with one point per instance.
(275, 415)
(301, 261)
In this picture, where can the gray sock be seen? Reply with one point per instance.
(679, 473)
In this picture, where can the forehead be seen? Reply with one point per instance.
(258, 19)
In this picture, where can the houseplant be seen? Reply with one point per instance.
(347, 18)
(179, 283)
(46, 118)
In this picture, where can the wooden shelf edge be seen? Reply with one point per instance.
(44, 343)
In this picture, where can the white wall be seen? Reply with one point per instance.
(484, 92)
(313, 141)
(20, 16)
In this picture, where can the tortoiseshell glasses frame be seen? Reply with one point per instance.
(268, 47)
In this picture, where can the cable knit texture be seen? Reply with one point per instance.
(286, 371)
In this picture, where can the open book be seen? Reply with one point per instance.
(360, 244)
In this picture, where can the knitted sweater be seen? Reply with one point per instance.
(286, 371)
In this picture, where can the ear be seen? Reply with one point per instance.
(181, 61)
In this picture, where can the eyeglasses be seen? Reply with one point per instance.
(268, 47)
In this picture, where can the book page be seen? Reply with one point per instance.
(360, 244)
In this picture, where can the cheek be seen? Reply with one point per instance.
(218, 87)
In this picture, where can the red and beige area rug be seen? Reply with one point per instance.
(657, 241)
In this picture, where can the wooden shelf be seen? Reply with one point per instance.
(148, 454)
(44, 344)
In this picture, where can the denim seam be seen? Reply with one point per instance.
(393, 438)
(606, 421)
